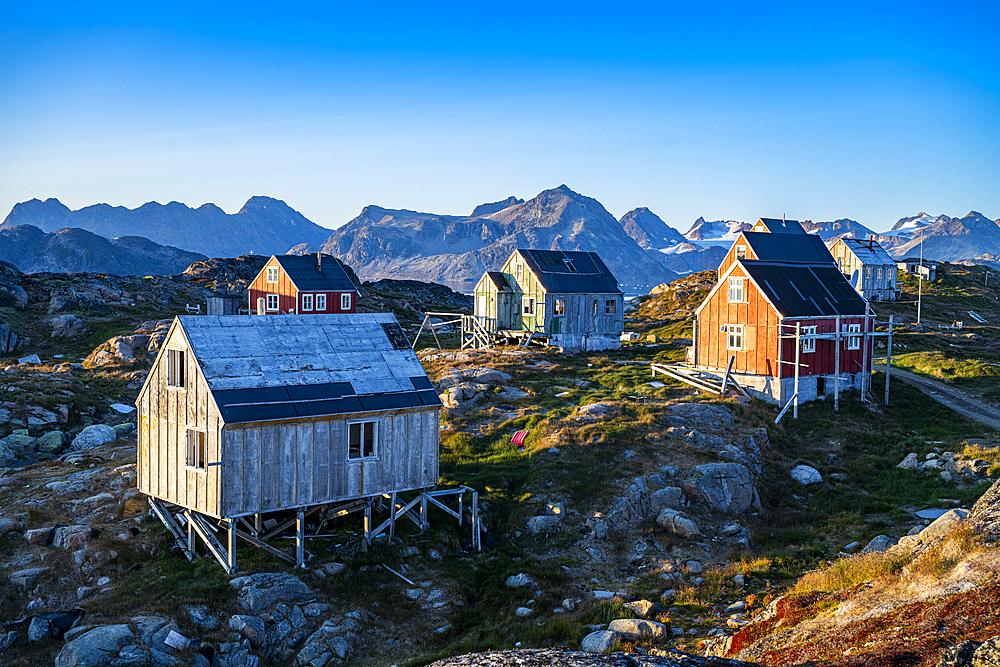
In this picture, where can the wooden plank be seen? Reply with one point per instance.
(321, 461)
(251, 470)
(213, 476)
(263, 545)
(338, 460)
(304, 445)
(388, 445)
(232, 496)
(287, 467)
(271, 447)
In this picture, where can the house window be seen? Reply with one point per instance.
(519, 271)
(528, 305)
(741, 252)
(345, 301)
(888, 278)
(307, 302)
(320, 302)
(595, 306)
(569, 265)
(361, 440)
(176, 367)
(878, 273)
(559, 307)
(609, 306)
(808, 344)
(272, 274)
(868, 272)
(735, 336)
(736, 290)
(196, 449)
(854, 342)
(272, 302)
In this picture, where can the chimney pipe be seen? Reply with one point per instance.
(319, 260)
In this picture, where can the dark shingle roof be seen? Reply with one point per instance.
(269, 367)
(499, 281)
(301, 269)
(789, 248)
(561, 272)
(775, 226)
(804, 290)
(868, 251)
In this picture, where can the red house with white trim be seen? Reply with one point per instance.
(304, 284)
(773, 283)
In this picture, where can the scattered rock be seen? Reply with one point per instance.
(678, 523)
(943, 524)
(522, 612)
(599, 642)
(724, 487)
(94, 436)
(543, 524)
(518, 580)
(250, 627)
(27, 578)
(641, 608)
(594, 411)
(878, 544)
(94, 648)
(806, 475)
(259, 592)
(911, 462)
(633, 629)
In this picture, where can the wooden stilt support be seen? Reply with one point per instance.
(258, 525)
(231, 547)
(836, 368)
(168, 520)
(300, 539)
(201, 527)
(865, 370)
(263, 545)
(368, 521)
(798, 352)
(392, 517)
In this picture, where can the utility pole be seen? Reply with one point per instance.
(920, 274)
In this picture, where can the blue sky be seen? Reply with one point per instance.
(722, 110)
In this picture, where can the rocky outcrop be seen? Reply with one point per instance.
(555, 657)
(259, 592)
(724, 487)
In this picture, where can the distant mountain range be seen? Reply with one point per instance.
(76, 250)
(398, 243)
(384, 243)
(264, 226)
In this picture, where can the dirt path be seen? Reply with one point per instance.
(956, 399)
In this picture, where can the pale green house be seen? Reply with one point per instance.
(565, 299)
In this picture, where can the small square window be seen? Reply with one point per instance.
(741, 252)
(609, 306)
(808, 344)
(196, 449)
(559, 307)
(736, 290)
(854, 342)
(345, 301)
(362, 438)
(321, 302)
(307, 302)
(272, 302)
(272, 274)
(176, 367)
(528, 305)
(735, 336)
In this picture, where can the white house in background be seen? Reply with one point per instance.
(917, 267)
(867, 267)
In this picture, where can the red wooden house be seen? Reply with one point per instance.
(303, 284)
(778, 292)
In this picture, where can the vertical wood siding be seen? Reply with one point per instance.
(301, 464)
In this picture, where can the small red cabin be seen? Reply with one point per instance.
(773, 286)
(303, 284)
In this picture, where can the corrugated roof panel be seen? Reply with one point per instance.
(794, 248)
(303, 271)
(801, 291)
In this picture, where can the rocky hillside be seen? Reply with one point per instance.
(384, 243)
(75, 250)
(837, 228)
(944, 239)
(264, 226)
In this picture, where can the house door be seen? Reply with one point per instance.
(481, 312)
(555, 326)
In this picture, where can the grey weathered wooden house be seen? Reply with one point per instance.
(244, 416)
(566, 299)
(868, 267)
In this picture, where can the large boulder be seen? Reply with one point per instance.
(704, 413)
(984, 517)
(331, 644)
(259, 592)
(724, 487)
(678, 523)
(943, 524)
(634, 629)
(94, 436)
(806, 475)
(599, 642)
(95, 648)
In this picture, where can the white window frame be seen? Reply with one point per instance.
(177, 369)
(809, 344)
(868, 272)
(609, 307)
(272, 297)
(320, 302)
(741, 252)
(737, 290)
(197, 450)
(519, 271)
(734, 336)
(558, 307)
(528, 305)
(360, 425)
(345, 301)
(307, 302)
(853, 341)
(272, 274)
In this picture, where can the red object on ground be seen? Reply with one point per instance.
(519, 437)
